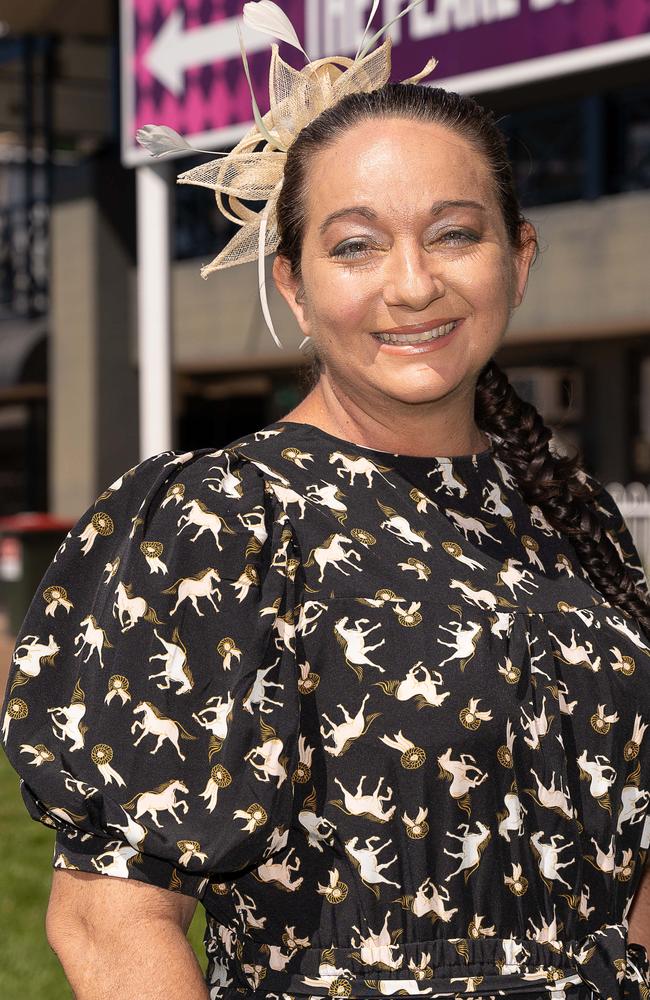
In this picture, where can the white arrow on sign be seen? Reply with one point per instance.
(174, 50)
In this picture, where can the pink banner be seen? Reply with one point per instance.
(181, 64)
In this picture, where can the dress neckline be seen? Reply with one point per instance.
(471, 458)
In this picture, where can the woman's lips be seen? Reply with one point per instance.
(427, 347)
(434, 324)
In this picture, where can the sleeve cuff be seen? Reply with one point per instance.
(76, 850)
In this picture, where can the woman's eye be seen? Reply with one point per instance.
(344, 250)
(451, 237)
(458, 236)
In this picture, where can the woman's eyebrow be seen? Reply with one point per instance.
(436, 209)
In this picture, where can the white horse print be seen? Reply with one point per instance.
(228, 482)
(333, 552)
(578, 654)
(216, 716)
(67, 724)
(268, 759)
(370, 805)
(94, 637)
(345, 733)
(366, 860)
(176, 668)
(474, 845)
(201, 586)
(548, 857)
(358, 465)
(130, 609)
(31, 654)
(450, 481)
(154, 723)
(351, 638)
(329, 496)
(200, 517)
(160, 799)
(396, 524)
(287, 496)
(512, 577)
(465, 641)
(115, 859)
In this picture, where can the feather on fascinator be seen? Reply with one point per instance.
(296, 98)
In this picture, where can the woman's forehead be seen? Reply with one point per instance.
(400, 162)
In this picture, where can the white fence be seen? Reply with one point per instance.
(634, 504)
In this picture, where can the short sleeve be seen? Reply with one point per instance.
(619, 532)
(152, 706)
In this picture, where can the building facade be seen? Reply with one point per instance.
(578, 347)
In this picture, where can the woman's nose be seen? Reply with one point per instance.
(412, 278)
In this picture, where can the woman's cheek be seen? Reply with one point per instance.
(343, 307)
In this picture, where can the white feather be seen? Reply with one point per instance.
(365, 30)
(262, 277)
(161, 139)
(377, 36)
(270, 19)
(256, 111)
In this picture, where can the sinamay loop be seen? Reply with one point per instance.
(296, 98)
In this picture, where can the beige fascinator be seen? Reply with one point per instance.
(296, 98)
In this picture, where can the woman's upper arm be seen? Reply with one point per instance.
(93, 902)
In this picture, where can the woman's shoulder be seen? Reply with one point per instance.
(221, 477)
(175, 513)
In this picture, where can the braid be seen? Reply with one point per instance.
(566, 496)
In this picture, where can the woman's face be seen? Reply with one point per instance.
(430, 247)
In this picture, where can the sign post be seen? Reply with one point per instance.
(155, 361)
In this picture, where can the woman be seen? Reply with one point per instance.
(370, 683)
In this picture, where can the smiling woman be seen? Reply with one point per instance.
(371, 683)
(404, 268)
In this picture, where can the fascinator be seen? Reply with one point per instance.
(296, 97)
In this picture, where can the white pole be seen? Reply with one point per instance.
(154, 309)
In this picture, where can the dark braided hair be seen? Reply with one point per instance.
(568, 497)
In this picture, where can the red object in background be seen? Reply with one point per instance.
(13, 526)
(11, 558)
(28, 543)
(30, 520)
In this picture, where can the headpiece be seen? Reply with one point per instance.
(296, 98)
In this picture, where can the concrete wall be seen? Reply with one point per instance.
(93, 414)
(72, 360)
(591, 279)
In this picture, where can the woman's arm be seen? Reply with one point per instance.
(639, 920)
(121, 939)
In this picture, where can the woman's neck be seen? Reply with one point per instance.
(347, 419)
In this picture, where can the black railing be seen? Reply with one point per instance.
(24, 268)
(581, 149)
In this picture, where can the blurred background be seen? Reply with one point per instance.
(570, 83)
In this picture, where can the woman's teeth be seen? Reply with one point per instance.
(416, 338)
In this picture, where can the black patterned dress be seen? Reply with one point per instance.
(367, 708)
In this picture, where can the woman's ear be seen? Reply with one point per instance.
(524, 258)
(292, 291)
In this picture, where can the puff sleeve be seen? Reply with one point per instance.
(152, 706)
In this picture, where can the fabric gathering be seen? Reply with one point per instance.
(378, 721)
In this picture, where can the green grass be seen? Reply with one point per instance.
(29, 969)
